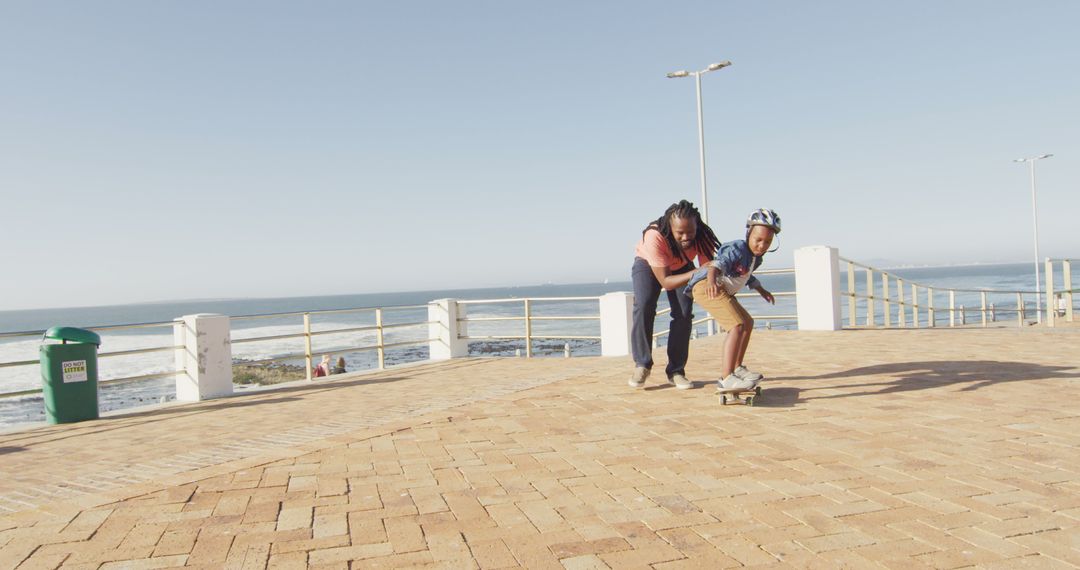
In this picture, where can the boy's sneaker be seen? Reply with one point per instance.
(746, 374)
(734, 383)
(637, 379)
(680, 381)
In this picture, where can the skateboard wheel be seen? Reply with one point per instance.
(750, 400)
(723, 399)
(757, 390)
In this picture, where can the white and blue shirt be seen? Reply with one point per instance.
(736, 265)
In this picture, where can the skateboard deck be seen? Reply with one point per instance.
(745, 397)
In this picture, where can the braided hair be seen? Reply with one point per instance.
(704, 240)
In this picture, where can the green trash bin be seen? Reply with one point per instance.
(69, 375)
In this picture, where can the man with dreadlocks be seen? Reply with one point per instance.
(664, 260)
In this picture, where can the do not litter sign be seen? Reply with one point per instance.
(74, 371)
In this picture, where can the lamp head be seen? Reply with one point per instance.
(680, 73)
(718, 65)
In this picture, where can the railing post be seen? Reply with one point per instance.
(993, 313)
(982, 295)
(900, 308)
(445, 330)
(379, 339)
(616, 319)
(932, 322)
(963, 316)
(851, 293)
(869, 297)
(1066, 270)
(885, 299)
(528, 329)
(1051, 310)
(307, 345)
(1020, 310)
(206, 359)
(914, 306)
(817, 288)
(952, 308)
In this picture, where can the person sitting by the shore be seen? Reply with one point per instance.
(323, 368)
(714, 287)
(664, 259)
(339, 368)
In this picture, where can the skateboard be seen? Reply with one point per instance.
(741, 396)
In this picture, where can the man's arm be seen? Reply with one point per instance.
(669, 281)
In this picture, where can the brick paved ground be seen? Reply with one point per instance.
(896, 449)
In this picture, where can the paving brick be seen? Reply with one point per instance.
(288, 561)
(289, 519)
(348, 553)
(840, 541)
(42, 561)
(965, 557)
(1034, 562)
(148, 563)
(175, 542)
(405, 560)
(210, 548)
(451, 550)
(573, 549)
(492, 554)
(405, 534)
(584, 562)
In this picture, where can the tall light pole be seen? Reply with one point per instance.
(1035, 217)
(700, 127)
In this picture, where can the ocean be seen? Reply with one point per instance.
(21, 410)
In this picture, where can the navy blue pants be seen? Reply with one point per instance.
(646, 294)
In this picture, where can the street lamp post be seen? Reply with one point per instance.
(1035, 219)
(700, 127)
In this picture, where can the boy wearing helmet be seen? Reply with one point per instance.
(714, 287)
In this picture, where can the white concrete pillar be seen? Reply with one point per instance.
(616, 318)
(446, 331)
(204, 364)
(1051, 302)
(817, 288)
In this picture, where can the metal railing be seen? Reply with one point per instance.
(379, 328)
(527, 319)
(101, 355)
(902, 303)
(768, 319)
(910, 311)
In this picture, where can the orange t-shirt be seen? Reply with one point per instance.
(653, 248)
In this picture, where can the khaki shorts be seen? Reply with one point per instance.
(724, 308)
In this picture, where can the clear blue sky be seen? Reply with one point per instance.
(188, 149)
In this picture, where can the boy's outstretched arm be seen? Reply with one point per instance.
(712, 288)
(765, 294)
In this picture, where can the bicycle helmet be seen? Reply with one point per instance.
(763, 217)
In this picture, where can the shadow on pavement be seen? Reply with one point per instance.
(909, 376)
(779, 397)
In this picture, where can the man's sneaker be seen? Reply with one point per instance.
(746, 374)
(637, 379)
(680, 381)
(733, 382)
